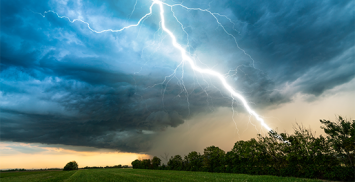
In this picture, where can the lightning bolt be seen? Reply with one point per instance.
(184, 55)
(187, 58)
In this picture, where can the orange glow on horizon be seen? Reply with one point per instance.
(54, 157)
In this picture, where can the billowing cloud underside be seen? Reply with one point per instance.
(63, 84)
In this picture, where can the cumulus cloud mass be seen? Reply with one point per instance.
(64, 84)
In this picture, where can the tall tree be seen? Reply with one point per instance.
(194, 161)
(155, 162)
(175, 163)
(213, 158)
(341, 134)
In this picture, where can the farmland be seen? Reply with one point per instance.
(131, 175)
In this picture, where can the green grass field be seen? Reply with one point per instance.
(124, 175)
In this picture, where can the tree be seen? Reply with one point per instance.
(136, 164)
(156, 162)
(274, 148)
(71, 166)
(213, 158)
(341, 135)
(175, 162)
(194, 161)
(250, 152)
(146, 164)
(165, 157)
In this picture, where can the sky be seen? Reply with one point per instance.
(68, 93)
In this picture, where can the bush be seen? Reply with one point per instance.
(71, 166)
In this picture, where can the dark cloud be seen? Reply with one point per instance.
(291, 38)
(63, 84)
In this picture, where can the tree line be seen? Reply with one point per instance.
(304, 155)
(100, 167)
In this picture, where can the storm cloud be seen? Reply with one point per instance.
(63, 84)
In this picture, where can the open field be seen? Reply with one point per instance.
(135, 175)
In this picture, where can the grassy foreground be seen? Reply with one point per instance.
(124, 175)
